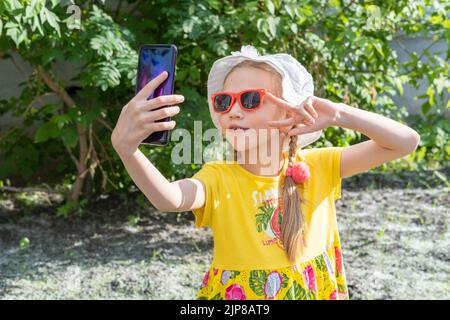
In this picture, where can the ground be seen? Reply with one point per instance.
(393, 228)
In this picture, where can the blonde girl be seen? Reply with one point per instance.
(274, 224)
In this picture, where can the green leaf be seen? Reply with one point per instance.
(29, 12)
(37, 25)
(296, 292)
(61, 120)
(320, 263)
(426, 107)
(257, 280)
(89, 115)
(420, 10)
(289, 10)
(43, 16)
(272, 23)
(436, 19)
(52, 20)
(441, 83)
(14, 34)
(1, 27)
(294, 28)
(285, 281)
(334, 3)
(12, 5)
(430, 94)
(37, 5)
(217, 297)
(260, 24)
(420, 154)
(70, 136)
(55, 2)
(379, 48)
(399, 85)
(270, 7)
(46, 131)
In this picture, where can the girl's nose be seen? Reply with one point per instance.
(235, 111)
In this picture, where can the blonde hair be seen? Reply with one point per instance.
(293, 222)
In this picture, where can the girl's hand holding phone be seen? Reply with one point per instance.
(137, 119)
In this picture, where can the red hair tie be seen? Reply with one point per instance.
(299, 172)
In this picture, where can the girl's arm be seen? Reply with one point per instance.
(390, 139)
(178, 196)
(137, 120)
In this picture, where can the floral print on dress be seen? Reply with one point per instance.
(272, 285)
(328, 263)
(333, 295)
(227, 275)
(309, 280)
(205, 279)
(235, 292)
(310, 277)
(338, 257)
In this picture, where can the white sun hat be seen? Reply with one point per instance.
(297, 82)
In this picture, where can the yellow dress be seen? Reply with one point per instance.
(244, 211)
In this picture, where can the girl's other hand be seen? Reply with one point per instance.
(312, 115)
(137, 119)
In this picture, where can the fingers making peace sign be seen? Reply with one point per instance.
(312, 115)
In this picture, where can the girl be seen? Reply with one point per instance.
(275, 230)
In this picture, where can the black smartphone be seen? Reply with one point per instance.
(154, 59)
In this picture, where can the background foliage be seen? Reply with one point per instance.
(346, 45)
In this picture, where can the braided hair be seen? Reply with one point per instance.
(293, 221)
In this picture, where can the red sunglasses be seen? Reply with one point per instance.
(249, 100)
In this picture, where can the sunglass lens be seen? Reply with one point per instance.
(222, 102)
(251, 99)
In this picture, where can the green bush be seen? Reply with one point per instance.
(344, 44)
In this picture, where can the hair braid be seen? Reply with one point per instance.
(293, 221)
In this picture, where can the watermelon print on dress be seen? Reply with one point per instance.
(268, 219)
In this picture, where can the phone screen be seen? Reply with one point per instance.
(154, 59)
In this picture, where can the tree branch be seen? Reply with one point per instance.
(74, 159)
(51, 83)
(104, 151)
(103, 122)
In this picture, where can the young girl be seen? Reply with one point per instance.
(274, 227)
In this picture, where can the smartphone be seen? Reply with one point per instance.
(154, 59)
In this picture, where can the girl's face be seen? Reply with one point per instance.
(245, 78)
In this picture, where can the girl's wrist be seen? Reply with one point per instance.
(125, 153)
(341, 112)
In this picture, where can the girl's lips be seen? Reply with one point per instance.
(237, 128)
